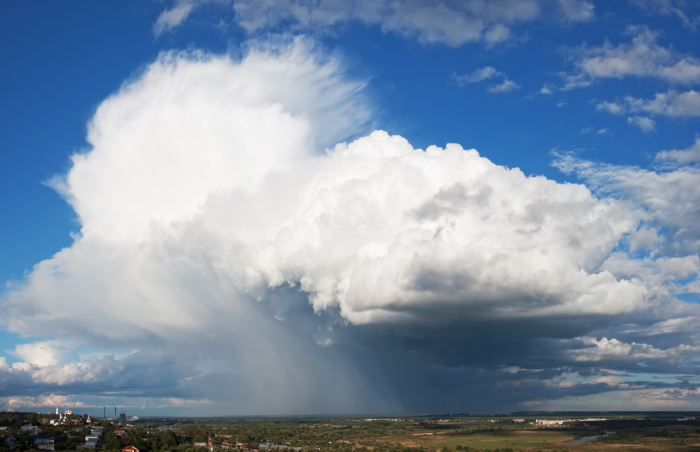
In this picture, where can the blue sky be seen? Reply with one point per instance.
(125, 146)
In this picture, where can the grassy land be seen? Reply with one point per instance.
(512, 439)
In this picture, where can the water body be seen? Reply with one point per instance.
(585, 439)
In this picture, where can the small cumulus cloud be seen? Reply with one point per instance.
(577, 10)
(477, 75)
(645, 124)
(504, 87)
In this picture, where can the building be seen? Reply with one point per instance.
(129, 449)
(44, 444)
(517, 421)
(250, 446)
(120, 431)
(92, 439)
(86, 446)
(546, 422)
(67, 412)
(31, 428)
(122, 418)
(207, 444)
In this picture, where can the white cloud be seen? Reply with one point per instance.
(504, 87)
(486, 73)
(165, 109)
(604, 131)
(615, 350)
(646, 124)
(516, 369)
(586, 130)
(19, 402)
(667, 7)
(611, 107)
(577, 10)
(178, 13)
(477, 75)
(45, 353)
(459, 225)
(453, 23)
(671, 103)
(667, 198)
(683, 156)
(642, 57)
(429, 21)
(496, 34)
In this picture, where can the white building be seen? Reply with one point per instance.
(92, 439)
(551, 421)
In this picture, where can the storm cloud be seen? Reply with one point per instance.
(247, 259)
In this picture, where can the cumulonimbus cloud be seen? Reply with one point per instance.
(218, 234)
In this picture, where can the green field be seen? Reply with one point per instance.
(512, 439)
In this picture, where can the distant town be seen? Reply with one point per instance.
(532, 432)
